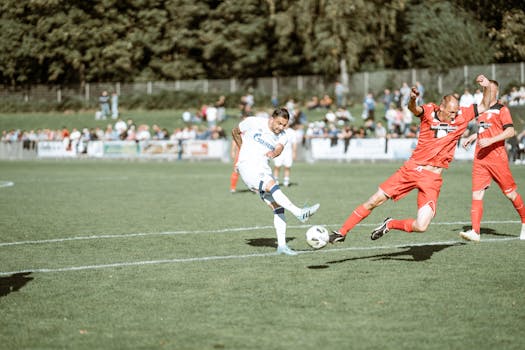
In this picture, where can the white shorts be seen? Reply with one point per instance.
(283, 160)
(256, 177)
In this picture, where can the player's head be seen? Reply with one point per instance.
(279, 120)
(449, 107)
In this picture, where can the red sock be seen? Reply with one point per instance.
(356, 217)
(403, 225)
(520, 208)
(476, 213)
(233, 180)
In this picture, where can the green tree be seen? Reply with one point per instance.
(510, 39)
(440, 36)
(234, 39)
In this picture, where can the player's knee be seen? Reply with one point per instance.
(420, 227)
(512, 195)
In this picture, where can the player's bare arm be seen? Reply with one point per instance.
(507, 133)
(469, 140)
(236, 134)
(276, 152)
(412, 107)
(485, 102)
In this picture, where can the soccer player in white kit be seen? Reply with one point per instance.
(286, 158)
(259, 140)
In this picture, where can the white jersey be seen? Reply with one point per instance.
(257, 140)
(286, 157)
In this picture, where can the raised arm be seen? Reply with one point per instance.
(484, 105)
(412, 107)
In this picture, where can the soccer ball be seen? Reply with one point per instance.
(317, 236)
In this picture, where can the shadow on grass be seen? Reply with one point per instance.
(488, 231)
(13, 283)
(265, 242)
(244, 190)
(412, 254)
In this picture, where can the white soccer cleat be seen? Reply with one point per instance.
(470, 235)
(286, 251)
(307, 212)
(522, 235)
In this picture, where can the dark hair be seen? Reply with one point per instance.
(494, 82)
(281, 112)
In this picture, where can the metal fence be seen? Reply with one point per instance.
(455, 80)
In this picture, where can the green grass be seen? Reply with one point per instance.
(159, 255)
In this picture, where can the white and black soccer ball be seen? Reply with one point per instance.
(317, 236)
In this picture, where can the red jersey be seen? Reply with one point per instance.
(492, 123)
(437, 139)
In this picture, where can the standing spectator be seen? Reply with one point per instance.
(386, 99)
(103, 101)
(421, 89)
(440, 129)
(275, 101)
(514, 96)
(478, 96)
(211, 116)
(405, 94)
(250, 100)
(391, 117)
(339, 91)
(369, 105)
(261, 139)
(290, 106)
(220, 104)
(64, 134)
(346, 135)
(74, 142)
(120, 127)
(397, 98)
(114, 105)
(491, 163)
(466, 99)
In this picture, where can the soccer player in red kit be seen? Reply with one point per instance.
(440, 128)
(491, 162)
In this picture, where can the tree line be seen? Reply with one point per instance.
(78, 41)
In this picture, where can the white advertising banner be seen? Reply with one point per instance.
(401, 149)
(56, 149)
(325, 149)
(373, 149)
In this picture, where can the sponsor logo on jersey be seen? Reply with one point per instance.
(257, 138)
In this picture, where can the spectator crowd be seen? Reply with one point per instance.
(336, 122)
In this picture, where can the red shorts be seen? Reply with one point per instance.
(410, 177)
(484, 172)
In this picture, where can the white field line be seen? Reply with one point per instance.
(234, 257)
(226, 230)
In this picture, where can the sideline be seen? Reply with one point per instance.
(245, 256)
(6, 183)
(226, 230)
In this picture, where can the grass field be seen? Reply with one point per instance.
(159, 255)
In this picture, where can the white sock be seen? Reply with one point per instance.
(279, 222)
(286, 203)
(286, 181)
